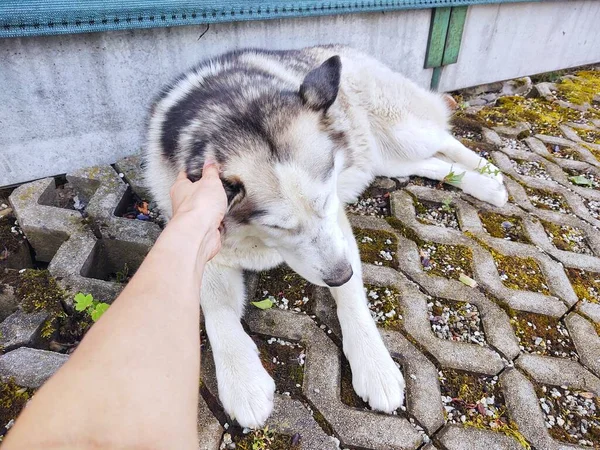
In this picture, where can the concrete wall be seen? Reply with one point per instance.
(506, 41)
(77, 100)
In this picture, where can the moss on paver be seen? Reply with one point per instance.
(517, 272)
(549, 200)
(37, 290)
(567, 238)
(503, 227)
(284, 361)
(543, 116)
(285, 288)
(348, 396)
(266, 439)
(590, 136)
(377, 247)
(541, 334)
(13, 399)
(477, 401)
(581, 89)
(585, 284)
(443, 260)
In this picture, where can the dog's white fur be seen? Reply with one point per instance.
(395, 128)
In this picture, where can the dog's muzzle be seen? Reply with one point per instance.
(339, 276)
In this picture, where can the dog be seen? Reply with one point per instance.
(297, 135)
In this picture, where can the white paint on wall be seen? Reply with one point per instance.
(505, 41)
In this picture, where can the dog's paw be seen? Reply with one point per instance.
(245, 389)
(379, 382)
(486, 189)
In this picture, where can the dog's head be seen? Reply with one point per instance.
(281, 160)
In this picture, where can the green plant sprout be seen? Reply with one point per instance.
(453, 179)
(94, 308)
(447, 205)
(122, 275)
(487, 169)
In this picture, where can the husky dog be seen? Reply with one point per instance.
(298, 134)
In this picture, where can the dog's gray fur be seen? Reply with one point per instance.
(297, 135)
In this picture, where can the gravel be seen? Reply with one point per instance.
(563, 152)
(441, 262)
(384, 305)
(456, 321)
(530, 169)
(548, 200)
(472, 399)
(593, 207)
(543, 335)
(571, 415)
(514, 145)
(438, 214)
(570, 239)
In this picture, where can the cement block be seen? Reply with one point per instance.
(46, 227)
(30, 367)
(21, 329)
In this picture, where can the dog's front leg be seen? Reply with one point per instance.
(375, 376)
(245, 388)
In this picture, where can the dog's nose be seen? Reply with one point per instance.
(340, 277)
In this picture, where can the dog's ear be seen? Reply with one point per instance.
(320, 87)
(234, 188)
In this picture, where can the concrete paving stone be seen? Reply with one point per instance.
(520, 86)
(581, 108)
(543, 90)
(455, 437)
(291, 416)
(491, 137)
(523, 407)
(569, 133)
(573, 200)
(555, 140)
(558, 372)
(30, 367)
(131, 168)
(110, 193)
(46, 227)
(455, 355)
(483, 266)
(496, 324)
(589, 309)
(554, 171)
(540, 238)
(322, 376)
(209, 428)
(514, 131)
(21, 329)
(76, 256)
(586, 340)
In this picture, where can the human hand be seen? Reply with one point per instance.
(201, 206)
